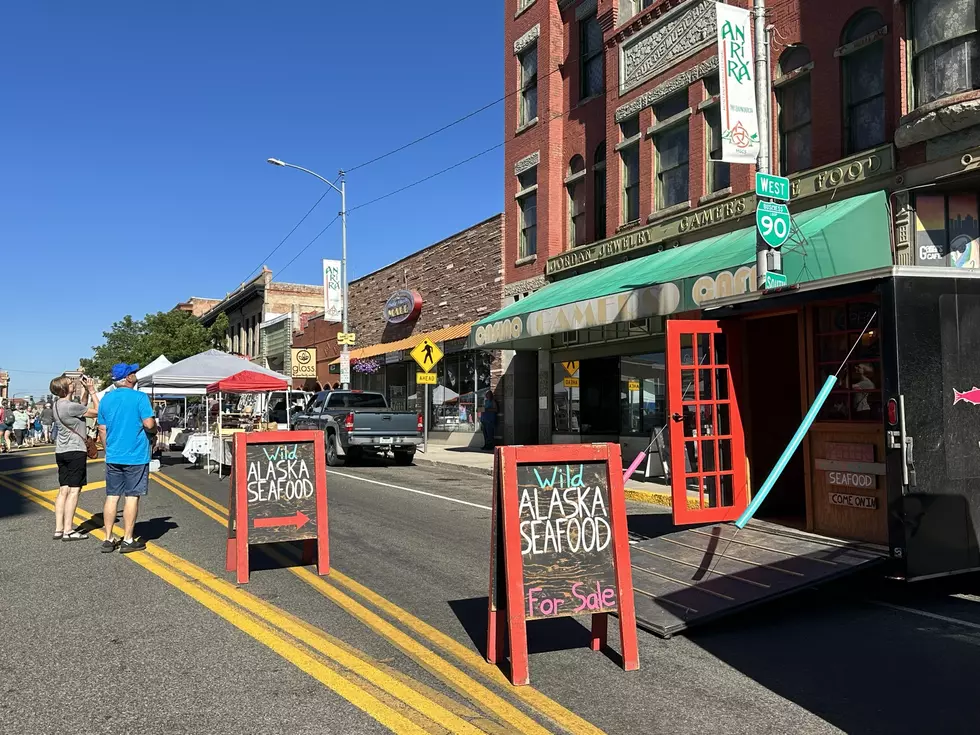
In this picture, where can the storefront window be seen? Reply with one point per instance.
(456, 401)
(642, 394)
(566, 410)
(857, 395)
(396, 386)
(584, 398)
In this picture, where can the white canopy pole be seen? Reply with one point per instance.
(221, 439)
(288, 399)
(207, 427)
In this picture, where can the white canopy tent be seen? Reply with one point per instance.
(144, 372)
(199, 371)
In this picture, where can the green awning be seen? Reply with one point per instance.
(844, 237)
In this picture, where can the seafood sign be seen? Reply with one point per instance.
(566, 540)
(970, 396)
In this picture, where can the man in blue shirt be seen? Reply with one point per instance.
(126, 424)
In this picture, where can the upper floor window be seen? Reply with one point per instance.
(629, 151)
(590, 66)
(575, 184)
(673, 152)
(864, 84)
(528, 60)
(527, 202)
(629, 8)
(945, 53)
(793, 95)
(599, 190)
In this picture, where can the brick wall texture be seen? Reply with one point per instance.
(459, 280)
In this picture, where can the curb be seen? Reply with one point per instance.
(485, 472)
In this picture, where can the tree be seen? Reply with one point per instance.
(176, 334)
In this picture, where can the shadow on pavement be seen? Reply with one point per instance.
(12, 503)
(149, 530)
(543, 636)
(858, 667)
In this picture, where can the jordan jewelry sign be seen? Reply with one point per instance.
(739, 115)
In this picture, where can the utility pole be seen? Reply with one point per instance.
(343, 259)
(762, 251)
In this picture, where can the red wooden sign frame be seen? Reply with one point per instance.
(236, 551)
(513, 635)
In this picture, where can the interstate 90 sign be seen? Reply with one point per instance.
(559, 546)
(278, 493)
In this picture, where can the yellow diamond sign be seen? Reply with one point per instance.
(571, 367)
(427, 354)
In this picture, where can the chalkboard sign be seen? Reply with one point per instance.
(566, 539)
(280, 486)
(559, 547)
(278, 493)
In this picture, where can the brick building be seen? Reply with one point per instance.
(623, 228)
(197, 306)
(262, 305)
(438, 292)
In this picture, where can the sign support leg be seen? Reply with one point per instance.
(513, 574)
(600, 629)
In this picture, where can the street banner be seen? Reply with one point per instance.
(278, 493)
(559, 547)
(739, 113)
(333, 292)
(303, 363)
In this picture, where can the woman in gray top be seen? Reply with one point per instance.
(70, 452)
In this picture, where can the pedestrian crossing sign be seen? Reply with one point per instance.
(571, 367)
(427, 354)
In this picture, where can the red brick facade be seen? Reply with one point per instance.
(567, 127)
(459, 279)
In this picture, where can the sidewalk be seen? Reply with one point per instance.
(480, 462)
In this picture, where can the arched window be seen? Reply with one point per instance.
(575, 185)
(599, 191)
(795, 112)
(863, 70)
(945, 50)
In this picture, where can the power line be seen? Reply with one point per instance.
(307, 247)
(288, 235)
(455, 122)
(427, 178)
(448, 168)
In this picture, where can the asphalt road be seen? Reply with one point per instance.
(393, 638)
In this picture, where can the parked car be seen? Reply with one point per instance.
(275, 409)
(356, 423)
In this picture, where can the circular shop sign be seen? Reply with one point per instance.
(402, 306)
(303, 357)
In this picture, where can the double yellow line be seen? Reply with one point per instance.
(395, 701)
(455, 677)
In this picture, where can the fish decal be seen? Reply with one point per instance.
(970, 396)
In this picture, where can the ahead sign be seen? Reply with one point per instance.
(772, 221)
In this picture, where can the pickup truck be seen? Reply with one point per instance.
(357, 422)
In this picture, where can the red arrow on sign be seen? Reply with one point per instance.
(299, 520)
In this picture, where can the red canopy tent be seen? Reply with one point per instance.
(248, 381)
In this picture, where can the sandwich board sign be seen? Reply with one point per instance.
(278, 493)
(558, 547)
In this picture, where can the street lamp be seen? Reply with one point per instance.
(343, 223)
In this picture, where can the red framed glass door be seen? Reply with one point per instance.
(707, 443)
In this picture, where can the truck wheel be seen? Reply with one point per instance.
(332, 459)
(404, 458)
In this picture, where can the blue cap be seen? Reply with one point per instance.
(120, 370)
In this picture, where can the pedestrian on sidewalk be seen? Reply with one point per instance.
(47, 421)
(126, 428)
(20, 425)
(70, 452)
(6, 425)
(488, 420)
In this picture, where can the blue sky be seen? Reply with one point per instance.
(135, 138)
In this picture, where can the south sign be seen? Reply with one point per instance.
(402, 306)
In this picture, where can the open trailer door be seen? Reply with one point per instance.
(707, 444)
(691, 575)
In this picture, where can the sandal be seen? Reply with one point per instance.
(58, 535)
(74, 535)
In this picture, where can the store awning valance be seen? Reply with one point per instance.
(445, 334)
(844, 237)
